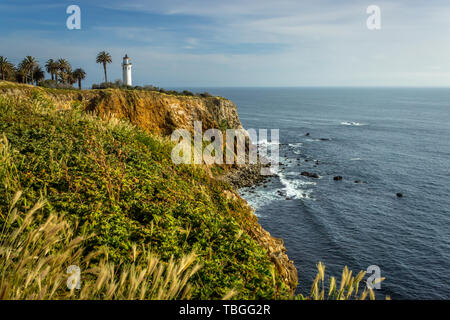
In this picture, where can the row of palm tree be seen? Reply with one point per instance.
(29, 71)
(27, 68)
(61, 70)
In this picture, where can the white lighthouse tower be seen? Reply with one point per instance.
(126, 69)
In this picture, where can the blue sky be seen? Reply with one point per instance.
(189, 43)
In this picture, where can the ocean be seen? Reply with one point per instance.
(382, 141)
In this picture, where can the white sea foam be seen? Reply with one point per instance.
(312, 140)
(349, 123)
(294, 187)
(259, 197)
(355, 159)
(267, 143)
(295, 145)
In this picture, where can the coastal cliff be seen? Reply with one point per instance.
(151, 111)
(159, 114)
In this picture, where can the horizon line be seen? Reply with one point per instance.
(311, 87)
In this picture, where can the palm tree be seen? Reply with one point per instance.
(52, 67)
(104, 58)
(64, 69)
(10, 72)
(23, 71)
(79, 75)
(6, 67)
(29, 63)
(3, 62)
(70, 78)
(38, 74)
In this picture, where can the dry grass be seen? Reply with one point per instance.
(34, 259)
(348, 289)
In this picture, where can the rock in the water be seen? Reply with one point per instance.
(310, 174)
(337, 178)
(399, 195)
(357, 181)
(307, 134)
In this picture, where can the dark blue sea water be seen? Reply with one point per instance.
(392, 140)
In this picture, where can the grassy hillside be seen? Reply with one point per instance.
(118, 182)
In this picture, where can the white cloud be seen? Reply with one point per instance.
(315, 43)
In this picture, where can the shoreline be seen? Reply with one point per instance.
(243, 176)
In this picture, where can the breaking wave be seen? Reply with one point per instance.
(348, 123)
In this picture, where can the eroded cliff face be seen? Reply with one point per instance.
(152, 111)
(160, 113)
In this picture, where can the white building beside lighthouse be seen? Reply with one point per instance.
(126, 69)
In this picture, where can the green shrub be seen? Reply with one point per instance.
(52, 84)
(187, 93)
(205, 95)
(118, 84)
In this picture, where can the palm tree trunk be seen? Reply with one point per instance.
(79, 84)
(106, 75)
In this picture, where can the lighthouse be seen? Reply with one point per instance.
(126, 69)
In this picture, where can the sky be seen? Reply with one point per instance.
(234, 43)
